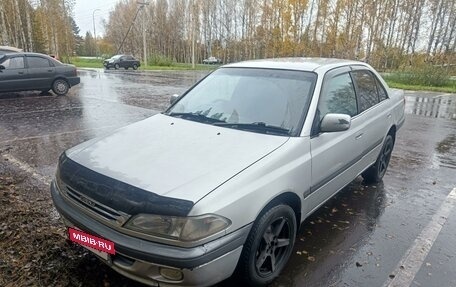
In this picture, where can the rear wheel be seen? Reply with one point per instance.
(376, 172)
(268, 246)
(60, 87)
(135, 67)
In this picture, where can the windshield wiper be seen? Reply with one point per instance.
(196, 117)
(256, 126)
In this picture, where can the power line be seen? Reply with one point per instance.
(142, 4)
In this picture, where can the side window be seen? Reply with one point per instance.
(338, 97)
(14, 63)
(366, 89)
(38, 62)
(381, 91)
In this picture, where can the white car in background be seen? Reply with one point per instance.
(8, 50)
(221, 181)
(212, 61)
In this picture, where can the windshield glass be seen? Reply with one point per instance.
(259, 100)
(115, 57)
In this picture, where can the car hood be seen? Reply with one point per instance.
(173, 157)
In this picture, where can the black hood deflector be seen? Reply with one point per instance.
(116, 194)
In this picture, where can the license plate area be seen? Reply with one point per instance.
(99, 246)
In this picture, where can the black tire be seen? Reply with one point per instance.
(268, 246)
(375, 173)
(60, 87)
(107, 68)
(135, 67)
(116, 66)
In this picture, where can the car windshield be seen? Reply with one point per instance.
(116, 57)
(260, 100)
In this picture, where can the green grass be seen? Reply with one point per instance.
(450, 88)
(180, 67)
(422, 78)
(87, 63)
(98, 63)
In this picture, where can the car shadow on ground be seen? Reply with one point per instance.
(33, 94)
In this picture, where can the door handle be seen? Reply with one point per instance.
(389, 116)
(20, 73)
(50, 71)
(359, 136)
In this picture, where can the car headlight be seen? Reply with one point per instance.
(178, 228)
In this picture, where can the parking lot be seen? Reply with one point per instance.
(401, 232)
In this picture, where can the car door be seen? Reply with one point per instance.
(335, 155)
(123, 62)
(41, 72)
(14, 76)
(130, 61)
(373, 111)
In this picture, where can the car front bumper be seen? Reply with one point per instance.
(141, 260)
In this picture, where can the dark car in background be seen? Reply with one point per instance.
(33, 71)
(122, 61)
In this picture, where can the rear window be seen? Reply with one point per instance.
(381, 91)
(366, 89)
(38, 62)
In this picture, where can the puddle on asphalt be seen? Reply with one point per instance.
(446, 152)
(432, 107)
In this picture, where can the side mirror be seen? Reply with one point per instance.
(335, 123)
(173, 98)
(2, 67)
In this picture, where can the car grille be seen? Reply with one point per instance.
(101, 211)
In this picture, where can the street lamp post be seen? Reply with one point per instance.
(95, 32)
(143, 4)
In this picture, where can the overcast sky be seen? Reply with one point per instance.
(83, 14)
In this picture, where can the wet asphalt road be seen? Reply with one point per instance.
(365, 236)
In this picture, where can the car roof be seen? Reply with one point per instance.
(28, 54)
(10, 49)
(299, 64)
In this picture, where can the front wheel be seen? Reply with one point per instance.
(116, 66)
(376, 172)
(60, 87)
(268, 246)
